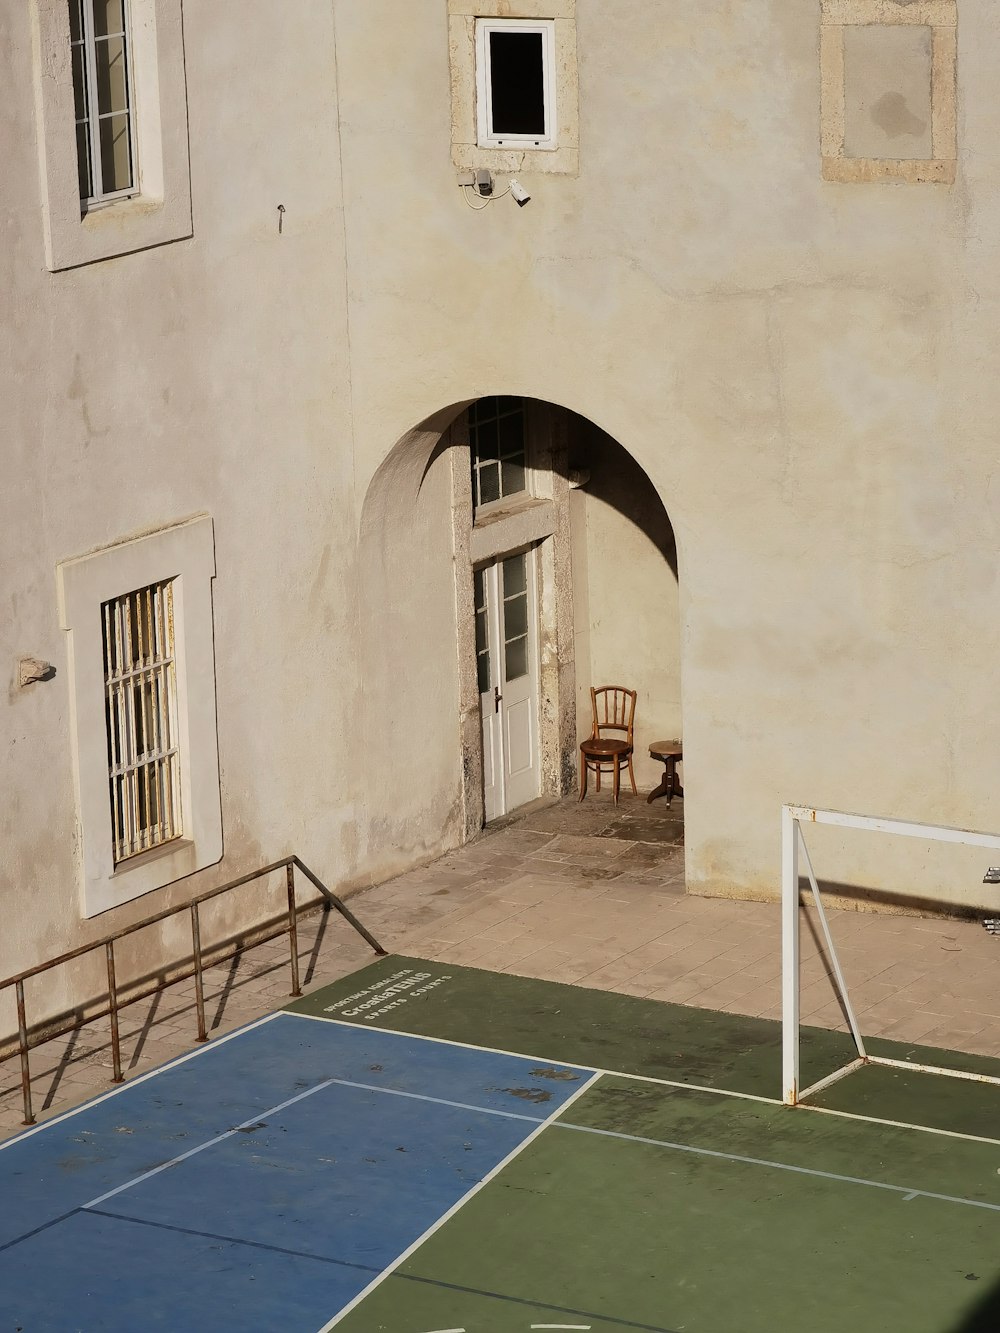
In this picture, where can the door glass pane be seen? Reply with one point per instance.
(515, 617)
(482, 637)
(479, 582)
(515, 576)
(75, 21)
(515, 658)
(483, 672)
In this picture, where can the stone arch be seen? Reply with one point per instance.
(417, 546)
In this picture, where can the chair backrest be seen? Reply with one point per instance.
(614, 709)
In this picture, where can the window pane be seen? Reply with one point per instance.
(83, 161)
(112, 85)
(483, 409)
(516, 659)
(511, 430)
(484, 441)
(116, 161)
(75, 21)
(108, 17)
(512, 476)
(79, 83)
(517, 83)
(482, 639)
(515, 575)
(479, 578)
(509, 404)
(489, 483)
(515, 617)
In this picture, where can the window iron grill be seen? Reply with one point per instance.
(141, 710)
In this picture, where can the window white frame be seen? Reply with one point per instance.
(89, 93)
(561, 158)
(183, 554)
(488, 137)
(158, 209)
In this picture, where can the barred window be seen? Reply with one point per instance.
(141, 711)
(102, 89)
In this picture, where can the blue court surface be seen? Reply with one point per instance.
(260, 1184)
(380, 1159)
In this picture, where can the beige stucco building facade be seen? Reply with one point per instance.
(752, 311)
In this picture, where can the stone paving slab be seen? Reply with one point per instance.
(552, 895)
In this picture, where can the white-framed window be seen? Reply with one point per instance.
(140, 682)
(515, 83)
(102, 95)
(515, 89)
(142, 700)
(498, 450)
(111, 102)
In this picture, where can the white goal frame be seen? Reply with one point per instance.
(792, 841)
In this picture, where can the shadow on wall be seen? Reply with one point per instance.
(618, 481)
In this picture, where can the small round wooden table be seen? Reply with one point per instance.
(668, 753)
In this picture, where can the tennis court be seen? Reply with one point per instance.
(422, 1148)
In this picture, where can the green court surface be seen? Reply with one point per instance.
(674, 1192)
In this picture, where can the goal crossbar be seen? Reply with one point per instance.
(793, 842)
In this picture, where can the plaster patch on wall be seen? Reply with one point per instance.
(888, 90)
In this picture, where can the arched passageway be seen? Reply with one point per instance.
(512, 555)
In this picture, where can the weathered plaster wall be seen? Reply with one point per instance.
(805, 369)
(632, 604)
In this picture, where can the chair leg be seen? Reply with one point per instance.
(597, 770)
(583, 775)
(616, 777)
(632, 776)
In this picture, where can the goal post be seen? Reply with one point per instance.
(795, 857)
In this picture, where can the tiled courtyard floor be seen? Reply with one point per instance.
(576, 893)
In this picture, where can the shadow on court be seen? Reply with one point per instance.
(985, 1318)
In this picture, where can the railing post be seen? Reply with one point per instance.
(199, 985)
(293, 927)
(22, 1043)
(116, 1050)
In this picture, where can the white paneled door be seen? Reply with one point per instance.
(507, 661)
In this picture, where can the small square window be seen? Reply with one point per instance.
(515, 100)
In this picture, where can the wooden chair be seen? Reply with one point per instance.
(613, 710)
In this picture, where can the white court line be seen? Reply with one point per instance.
(435, 1101)
(906, 1190)
(445, 1217)
(134, 1082)
(191, 1152)
(661, 1082)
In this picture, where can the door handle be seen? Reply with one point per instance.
(497, 696)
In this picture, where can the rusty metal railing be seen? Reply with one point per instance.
(27, 1039)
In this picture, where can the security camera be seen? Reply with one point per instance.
(519, 194)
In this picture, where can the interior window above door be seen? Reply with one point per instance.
(497, 446)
